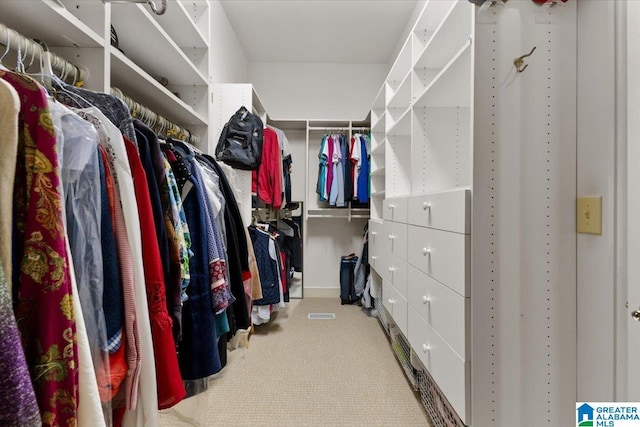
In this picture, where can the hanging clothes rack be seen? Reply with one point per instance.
(158, 123)
(31, 50)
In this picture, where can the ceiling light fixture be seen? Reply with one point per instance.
(151, 3)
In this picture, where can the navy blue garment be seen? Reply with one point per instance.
(146, 138)
(363, 177)
(268, 268)
(112, 302)
(286, 170)
(198, 350)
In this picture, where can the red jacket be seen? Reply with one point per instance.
(267, 181)
(170, 388)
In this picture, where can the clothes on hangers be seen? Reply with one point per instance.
(343, 170)
(131, 265)
(41, 280)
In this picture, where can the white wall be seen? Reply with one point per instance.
(317, 91)
(596, 177)
(228, 60)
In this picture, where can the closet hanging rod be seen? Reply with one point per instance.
(158, 123)
(30, 50)
(329, 128)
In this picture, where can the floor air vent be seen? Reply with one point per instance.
(322, 316)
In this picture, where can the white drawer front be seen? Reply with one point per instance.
(382, 264)
(397, 274)
(373, 258)
(442, 255)
(396, 234)
(445, 366)
(377, 238)
(443, 309)
(400, 311)
(388, 295)
(450, 211)
(395, 209)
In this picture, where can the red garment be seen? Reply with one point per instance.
(131, 337)
(170, 388)
(44, 308)
(266, 182)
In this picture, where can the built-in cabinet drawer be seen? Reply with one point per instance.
(396, 273)
(443, 309)
(399, 314)
(395, 304)
(376, 238)
(442, 255)
(448, 211)
(395, 209)
(388, 294)
(396, 234)
(447, 368)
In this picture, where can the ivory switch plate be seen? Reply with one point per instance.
(589, 215)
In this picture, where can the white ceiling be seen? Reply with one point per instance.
(333, 31)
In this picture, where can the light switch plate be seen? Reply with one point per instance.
(589, 215)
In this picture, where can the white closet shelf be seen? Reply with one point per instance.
(428, 22)
(287, 124)
(378, 126)
(380, 148)
(450, 35)
(140, 86)
(401, 98)
(379, 103)
(258, 106)
(380, 193)
(452, 86)
(402, 126)
(379, 171)
(401, 64)
(181, 27)
(49, 21)
(145, 42)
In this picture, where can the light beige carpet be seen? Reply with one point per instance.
(301, 372)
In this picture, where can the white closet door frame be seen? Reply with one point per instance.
(629, 329)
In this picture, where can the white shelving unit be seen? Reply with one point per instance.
(174, 46)
(451, 168)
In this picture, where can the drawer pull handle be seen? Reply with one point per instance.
(374, 233)
(374, 257)
(391, 206)
(426, 206)
(392, 301)
(426, 300)
(391, 237)
(392, 269)
(426, 251)
(425, 348)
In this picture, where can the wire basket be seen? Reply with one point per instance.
(437, 406)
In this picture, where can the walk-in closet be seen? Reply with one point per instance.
(319, 213)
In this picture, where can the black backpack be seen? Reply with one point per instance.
(240, 144)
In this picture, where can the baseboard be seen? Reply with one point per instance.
(321, 292)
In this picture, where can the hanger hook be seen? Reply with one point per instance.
(8, 43)
(163, 7)
(519, 61)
